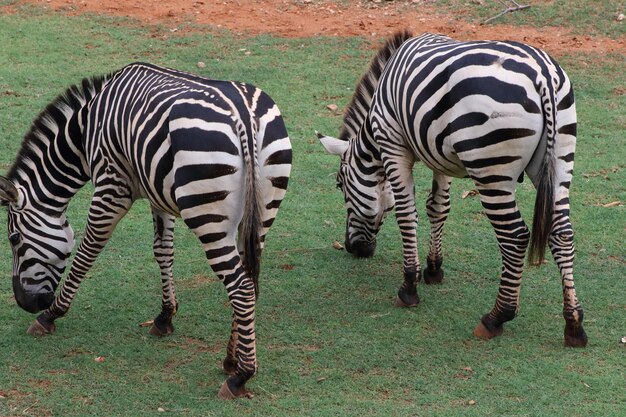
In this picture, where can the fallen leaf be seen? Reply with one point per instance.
(623, 340)
(99, 359)
(161, 410)
(612, 204)
(337, 245)
(146, 323)
(471, 402)
(201, 64)
(471, 193)
(320, 379)
(332, 107)
(287, 267)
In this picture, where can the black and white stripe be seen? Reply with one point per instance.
(215, 153)
(485, 110)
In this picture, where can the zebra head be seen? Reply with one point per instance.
(366, 192)
(41, 242)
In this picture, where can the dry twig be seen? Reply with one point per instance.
(509, 9)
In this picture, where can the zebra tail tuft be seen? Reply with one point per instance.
(544, 201)
(251, 223)
(542, 218)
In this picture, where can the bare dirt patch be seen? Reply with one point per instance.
(309, 18)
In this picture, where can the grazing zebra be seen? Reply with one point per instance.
(487, 110)
(215, 153)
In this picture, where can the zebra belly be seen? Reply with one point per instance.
(499, 139)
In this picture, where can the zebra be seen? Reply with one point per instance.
(215, 153)
(487, 110)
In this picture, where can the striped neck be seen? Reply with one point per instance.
(50, 166)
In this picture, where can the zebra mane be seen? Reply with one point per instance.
(54, 118)
(361, 100)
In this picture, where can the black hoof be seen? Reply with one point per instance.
(234, 387)
(406, 299)
(41, 326)
(575, 335)
(433, 276)
(487, 328)
(162, 324)
(157, 330)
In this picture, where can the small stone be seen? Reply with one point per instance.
(161, 410)
(620, 17)
(332, 107)
(471, 402)
(201, 64)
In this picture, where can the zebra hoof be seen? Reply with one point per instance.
(407, 300)
(230, 366)
(41, 329)
(155, 330)
(575, 336)
(227, 392)
(482, 332)
(433, 277)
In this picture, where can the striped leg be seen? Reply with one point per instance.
(219, 243)
(561, 242)
(399, 173)
(562, 246)
(241, 348)
(437, 209)
(164, 255)
(105, 212)
(513, 237)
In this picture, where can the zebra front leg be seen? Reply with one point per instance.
(399, 172)
(437, 209)
(513, 237)
(164, 255)
(100, 226)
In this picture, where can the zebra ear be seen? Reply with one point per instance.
(334, 146)
(8, 192)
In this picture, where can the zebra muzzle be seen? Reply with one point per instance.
(361, 248)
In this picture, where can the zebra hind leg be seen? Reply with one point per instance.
(437, 209)
(513, 238)
(561, 244)
(230, 361)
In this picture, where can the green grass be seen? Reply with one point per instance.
(330, 341)
(583, 17)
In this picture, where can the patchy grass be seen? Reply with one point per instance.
(330, 341)
(587, 18)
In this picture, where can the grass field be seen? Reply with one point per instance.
(330, 342)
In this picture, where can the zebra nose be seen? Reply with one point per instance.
(361, 248)
(45, 300)
(34, 303)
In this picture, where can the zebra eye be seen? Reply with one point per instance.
(14, 238)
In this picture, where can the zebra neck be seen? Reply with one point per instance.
(50, 167)
(365, 148)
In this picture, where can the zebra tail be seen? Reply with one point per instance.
(544, 201)
(251, 222)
